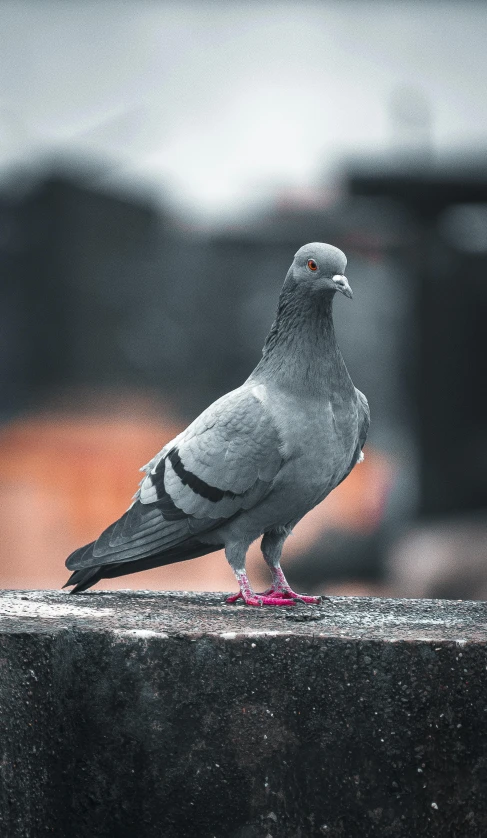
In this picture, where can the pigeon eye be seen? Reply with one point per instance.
(312, 265)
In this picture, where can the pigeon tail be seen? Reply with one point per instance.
(83, 579)
(86, 577)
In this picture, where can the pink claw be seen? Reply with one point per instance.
(260, 599)
(312, 600)
(289, 594)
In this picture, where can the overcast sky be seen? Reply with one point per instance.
(219, 102)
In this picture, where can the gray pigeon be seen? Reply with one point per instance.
(258, 459)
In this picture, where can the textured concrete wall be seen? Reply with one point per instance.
(139, 715)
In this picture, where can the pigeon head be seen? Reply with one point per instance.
(321, 267)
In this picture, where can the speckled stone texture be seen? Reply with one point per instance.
(151, 715)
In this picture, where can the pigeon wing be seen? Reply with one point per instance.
(223, 463)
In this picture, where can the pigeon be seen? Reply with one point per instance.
(258, 459)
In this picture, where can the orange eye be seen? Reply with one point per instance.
(312, 265)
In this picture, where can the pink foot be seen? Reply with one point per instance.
(289, 594)
(261, 599)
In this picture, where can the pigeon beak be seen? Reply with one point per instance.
(341, 284)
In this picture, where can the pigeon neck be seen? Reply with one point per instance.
(301, 350)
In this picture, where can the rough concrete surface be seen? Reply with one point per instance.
(152, 715)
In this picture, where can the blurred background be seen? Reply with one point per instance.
(160, 163)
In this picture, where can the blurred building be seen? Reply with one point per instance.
(74, 262)
(446, 272)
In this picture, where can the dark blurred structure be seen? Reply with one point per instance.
(74, 260)
(447, 271)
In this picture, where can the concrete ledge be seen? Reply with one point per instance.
(150, 715)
